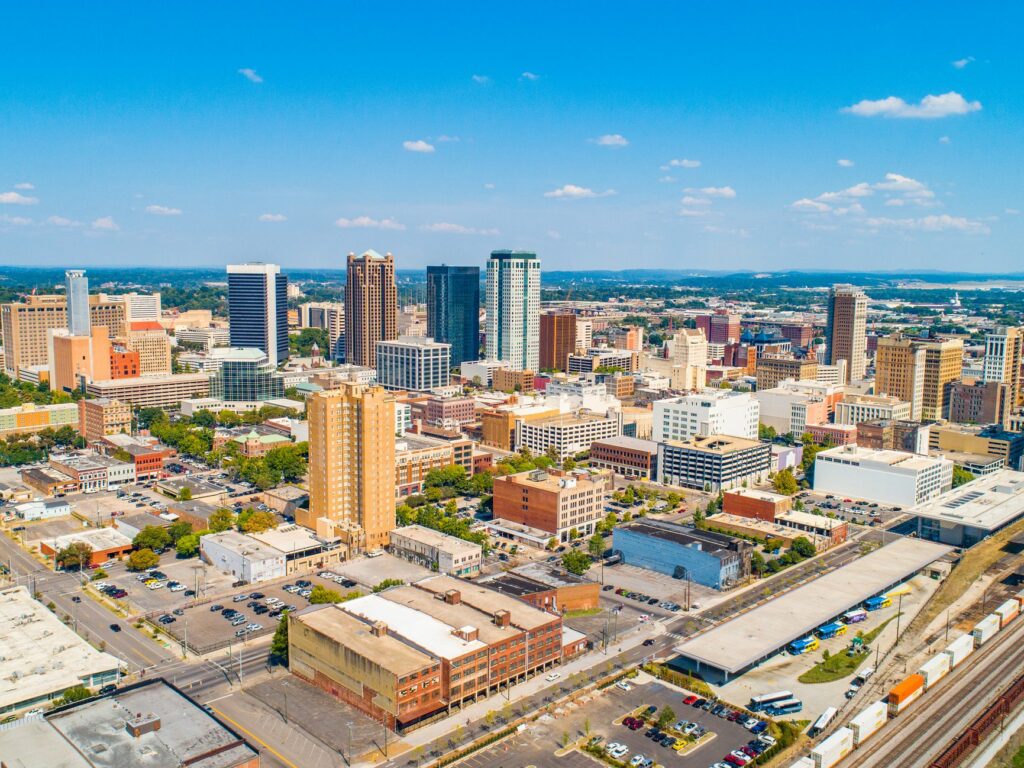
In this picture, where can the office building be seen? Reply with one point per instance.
(888, 435)
(846, 330)
(481, 372)
(147, 453)
(712, 559)
(351, 464)
(329, 316)
(413, 363)
(566, 434)
(854, 409)
(152, 391)
(371, 306)
(886, 477)
(1003, 358)
(919, 371)
(453, 310)
(762, 505)
(961, 517)
(78, 360)
(435, 550)
(513, 309)
(415, 456)
(258, 308)
(713, 463)
(990, 440)
(450, 410)
(76, 290)
(790, 410)
(152, 344)
(686, 362)
(99, 417)
(29, 417)
(602, 360)
(557, 340)
(774, 369)
(975, 402)
(626, 456)
(26, 329)
(206, 337)
(711, 412)
(722, 327)
(245, 374)
(142, 307)
(510, 380)
(556, 503)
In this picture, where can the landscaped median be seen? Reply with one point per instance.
(837, 666)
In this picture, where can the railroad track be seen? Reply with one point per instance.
(925, 729)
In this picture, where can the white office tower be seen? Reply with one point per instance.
(513, 309)
(76, 285)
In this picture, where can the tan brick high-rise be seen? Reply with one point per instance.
(371, 306)
(846, 330)
(26, 328)
(920, 371)
(557, 339)
(352, 462)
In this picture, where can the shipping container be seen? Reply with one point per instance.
(833, 749)
(960, 649)
(853, 617)
(936, 668)
(1019, 597)
(874, 603)
(904, 694)
(867, 721)
(1007, 612)
(985, 629)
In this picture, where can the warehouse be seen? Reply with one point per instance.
(732, 648)
(105, 543)
(964, 516)
(242, 556)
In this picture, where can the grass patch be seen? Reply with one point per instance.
(834, 668)
(582, 612)
(1017, 761)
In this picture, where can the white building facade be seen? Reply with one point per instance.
(886, 477)
(413, 363)
(513, 309)
(711, 412)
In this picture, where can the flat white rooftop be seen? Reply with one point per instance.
(418, 628)
(742, 642)
(100, 539)
(440, 541)
(988, 502)
(898, 460)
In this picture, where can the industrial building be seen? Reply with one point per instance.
(735, 646)
(243, 557)
(887, 477)
(712, 559)
(547, 586)
(106, 544)
(964, 516)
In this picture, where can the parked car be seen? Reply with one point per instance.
(115, 627)
(691, 700)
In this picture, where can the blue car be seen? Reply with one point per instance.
(761, 727)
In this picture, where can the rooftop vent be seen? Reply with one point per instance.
(142, 723)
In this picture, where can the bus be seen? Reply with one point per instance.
(834, 629)
(822, 722)
(875, 603)
(786, 707)
(765, 700)
(852, 617)
(809, 643)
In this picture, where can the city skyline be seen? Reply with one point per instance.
(773, 145)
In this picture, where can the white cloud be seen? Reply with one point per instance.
(488, 185)
(844, 163)
(944, 140)
(681, 162)
(727, 192)
(17, 221)
(857, 190)
(939, 223)
(106, 224)
(532, 76)
(929, 107)
(481, 79)
(911, 189)
(61, 221)
(961, 63)
(1011, 212)
(163, 210)
(854, 208)
(611, 140)
(16, 198)
(24, 185)
(365, 222)
(666, 179)
(250, 75)
(895, 202)
(691, 200)
(740, 232)
(694, 212)
(574, 192)
(806, 204)
(446, 227)
(417, 146)
(273, 217)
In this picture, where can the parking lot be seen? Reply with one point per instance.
(851, 510)
(632, 578)
(200, 580)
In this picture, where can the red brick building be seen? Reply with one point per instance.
(627, 456)
(760, 505)
(460, 410)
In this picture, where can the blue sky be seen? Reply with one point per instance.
(206, 133)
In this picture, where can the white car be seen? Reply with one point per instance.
(272, 601)
(553, 676)
(637, 760)
(620, 751)
(624, 685)
(156, 585)
(178, 588)
(34, 713)
(764, 738)
(742, 757)
(254, 627)
(750, 722)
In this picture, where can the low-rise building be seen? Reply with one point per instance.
(437, 551)
(833, 434)
(152, 391)
(791, 411)
(195, 489)
(43, 510)
(886, 435)
(556, 502)
(626, 456)
(965, 515)
(712, 559)
(106, 544)
(242, 556)
(773, 369)
(509, 380)
(566, 434)
(147, 453)
(48, 481)
(823, 531)
(481, 372)
(94, 472)
(762, 505)
(886, 477)
(854, 409)
(302, 549)
(42, 657)
(28, 418)
(450, 410)
(547, 586)
(990, 440)
(132, 525)
(713, 463)
(415, 456)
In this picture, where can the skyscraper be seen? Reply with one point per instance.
(513, 308)
(846, 330)
(258, 309)
(1003, 353)
(351, 465)
(76, 285)
(453, 310)
(557, 339)
(371, 306)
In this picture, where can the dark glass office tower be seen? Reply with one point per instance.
(453, 310)
(258, 309)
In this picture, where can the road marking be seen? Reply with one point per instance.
(225, 696)
(257, 739)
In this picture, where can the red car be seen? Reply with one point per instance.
(631, 722)
(691, 699)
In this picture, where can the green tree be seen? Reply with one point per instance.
(76, 693)
(803, 547)
(152, 537)
(666, 717)
(75, 556)
(785, 483)
(698, 517)
(321, 595)
(288, 461)
(576, 562)
(673, 500)
(757, 563)
(279, 644)
(387, 583)
(552, 543)
(258, 522)
(596, 545)
(178, 529)
(187, 545)
(961, 476)
(185, 494)
(765, 432)
(221, 520)
(141, 559)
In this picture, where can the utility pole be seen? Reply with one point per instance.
(899, 614)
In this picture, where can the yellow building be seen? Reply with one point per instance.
(351, 465)
(151, 341)
(919, 371)
(771, 371)
(23, 419)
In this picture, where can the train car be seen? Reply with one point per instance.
(1007, 612)
(985, 629)
(960, 649)
(866, 722)
(905, 693)
(936, 668)
(833, 749)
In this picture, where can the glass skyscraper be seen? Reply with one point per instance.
(76, 284)
(453, 310)
(513, 309)
(245, 374)
(258, 309)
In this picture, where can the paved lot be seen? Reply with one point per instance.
(49, 529)
(370, 571)
(197, 576)
(659, 585)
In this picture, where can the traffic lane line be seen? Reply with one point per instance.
(257, 739)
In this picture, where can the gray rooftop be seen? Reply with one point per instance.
(743, 641)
